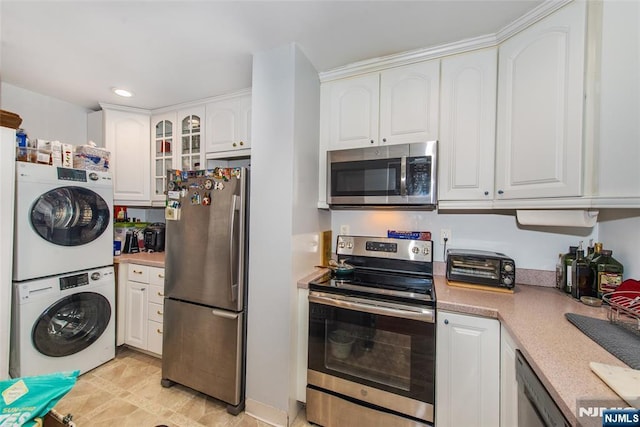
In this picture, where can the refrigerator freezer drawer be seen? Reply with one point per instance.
(202, 349)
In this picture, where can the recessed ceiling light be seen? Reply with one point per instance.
(122, 92)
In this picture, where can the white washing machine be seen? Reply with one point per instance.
(63, 323)
(62, 220)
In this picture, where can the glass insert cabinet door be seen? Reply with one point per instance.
(163, 154)
(191, 132)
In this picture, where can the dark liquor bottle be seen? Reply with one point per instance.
(580, 272)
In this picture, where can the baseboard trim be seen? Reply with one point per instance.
(266, 413)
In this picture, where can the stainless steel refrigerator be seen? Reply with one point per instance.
(206, 283)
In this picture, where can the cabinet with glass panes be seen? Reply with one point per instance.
(176, 144)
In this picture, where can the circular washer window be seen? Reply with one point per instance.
(71, 324)
(70, 216)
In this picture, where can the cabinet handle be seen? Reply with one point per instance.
(241, 143)
(137, 272)
(384, 139)
(446, 321)
(160, 294)
(159, 313)
(143, 289)
(161, 276)
(486, 193)
(159, 331)
(500, 192)
(234, 144)
(372, 141)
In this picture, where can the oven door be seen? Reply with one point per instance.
(381, 353)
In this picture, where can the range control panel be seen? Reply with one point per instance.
(384, 247)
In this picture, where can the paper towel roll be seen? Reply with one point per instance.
(558, 218)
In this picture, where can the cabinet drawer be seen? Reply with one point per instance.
(154, 337)
(156, 276)
(156, 294)
(138, 273)
(155, 312)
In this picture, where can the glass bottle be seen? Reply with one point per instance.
(568, 261)
(593, 279)
(560, 273)
(580, 272)
(608, 273)
(597, 248)
(590, 250)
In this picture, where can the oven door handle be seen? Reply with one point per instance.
(380, 308)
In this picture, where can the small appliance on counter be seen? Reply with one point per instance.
(132, 242)
(485, 268)
(154, 237)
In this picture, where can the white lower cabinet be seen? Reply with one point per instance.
(144, 305)
(508, 382)
(467, 371)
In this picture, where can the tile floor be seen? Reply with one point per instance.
(126, 392)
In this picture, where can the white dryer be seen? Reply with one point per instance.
(62, 220)
(63, 323)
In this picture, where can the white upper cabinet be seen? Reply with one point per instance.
(409, 103)
(467, 127)
(126, 136)
(228, 124)
(176, 143)
(353, 111)
(394, 106)
(163, 144)
(191, 134)
(540, 108)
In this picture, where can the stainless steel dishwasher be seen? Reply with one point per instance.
(536, 408)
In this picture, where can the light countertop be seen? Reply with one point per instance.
(534, 317)
(153, 259)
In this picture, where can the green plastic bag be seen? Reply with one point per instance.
(25, 399)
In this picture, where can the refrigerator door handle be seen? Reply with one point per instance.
(224, 314)
(232, 267)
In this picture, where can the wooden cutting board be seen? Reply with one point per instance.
(624, 381)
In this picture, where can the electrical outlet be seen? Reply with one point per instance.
(344, 230)
(445, 233)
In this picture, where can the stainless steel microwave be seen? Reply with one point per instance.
(400, 176)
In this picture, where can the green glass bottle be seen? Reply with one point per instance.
(608, 273)
(593, 277)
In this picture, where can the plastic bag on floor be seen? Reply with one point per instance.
(25, 400)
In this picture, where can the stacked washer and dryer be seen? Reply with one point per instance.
(63, 308)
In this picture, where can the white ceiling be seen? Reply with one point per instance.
(169, 52)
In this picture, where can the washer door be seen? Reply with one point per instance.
(71, 324)
(70, 216)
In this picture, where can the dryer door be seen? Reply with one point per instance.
(71, 324)
(70, 216)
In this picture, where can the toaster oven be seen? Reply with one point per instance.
(481, 267)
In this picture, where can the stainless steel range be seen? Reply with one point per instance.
(372, 335)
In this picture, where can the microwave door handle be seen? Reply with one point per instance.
(403, 176)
